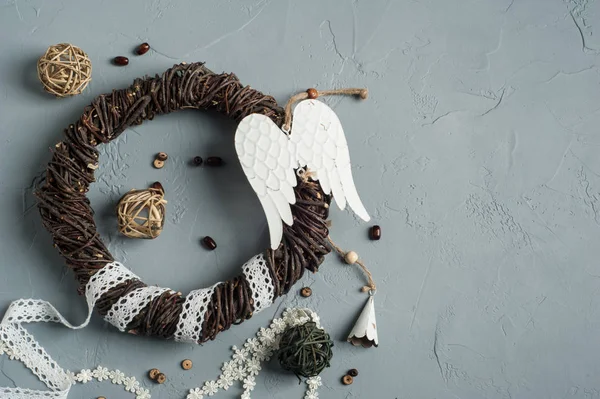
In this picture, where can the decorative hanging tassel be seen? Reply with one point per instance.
(364, 331)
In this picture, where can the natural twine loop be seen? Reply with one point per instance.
(64, 70)
(141, 213)
(287, 123)
(305, 350)
(370, 287)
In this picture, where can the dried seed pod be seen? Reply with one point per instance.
(209, 243)
(142, 49)
(121, 61)
(214, 161)
(161, 378)
(375, 232)
(162, 156)
(153, 374)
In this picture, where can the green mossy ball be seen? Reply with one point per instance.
(305, 350)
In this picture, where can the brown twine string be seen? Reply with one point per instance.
(362, 93)
(133, 208)
(371, 283)
(67, 214)
(64, 70)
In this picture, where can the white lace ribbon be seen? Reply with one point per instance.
(257, 273)
(22, 346)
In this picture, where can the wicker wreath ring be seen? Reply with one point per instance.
(67, 214)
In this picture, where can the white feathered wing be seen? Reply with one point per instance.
(268, 157)
(321, 146)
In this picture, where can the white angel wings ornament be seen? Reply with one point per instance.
(269, 157)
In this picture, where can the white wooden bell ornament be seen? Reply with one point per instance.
(364, 332)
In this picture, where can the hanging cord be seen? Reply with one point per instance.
(314, 93)
(370, 287)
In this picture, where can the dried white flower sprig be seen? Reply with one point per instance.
(245, 363)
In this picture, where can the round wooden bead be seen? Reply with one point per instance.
(186, 364)
(153, 374)
(312, 93)
(375, 233)
(162, 156)
(197, 161)
(209, 243)
(347, 379)
(161, 378)
(100, 397)
(351, 257)
(306, 292)
(353, 372)
(158, 164)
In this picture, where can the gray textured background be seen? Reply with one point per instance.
(477, 152)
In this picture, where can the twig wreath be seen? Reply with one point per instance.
(67, 214)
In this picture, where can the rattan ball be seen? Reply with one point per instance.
(305, 350)
(64, 70)
(141, 213)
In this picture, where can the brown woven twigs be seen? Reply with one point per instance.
(67, 215)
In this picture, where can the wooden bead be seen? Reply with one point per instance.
(158, 164)
(353, 372)
(157, 186)
(214, 161)
(161, 378)
(375, 233)
(209, 243)
(306, 292)
(186, 364)
(142, 49)
(121, 61)
(162, 156)
(351, 257)
(153, 374)
(100, 397)
(312, 93)
(347, 379)
(197, 161)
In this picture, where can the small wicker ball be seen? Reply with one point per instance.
(141, 213)
(305, 350)
(64, 70)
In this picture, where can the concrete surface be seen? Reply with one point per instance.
(477, 152)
